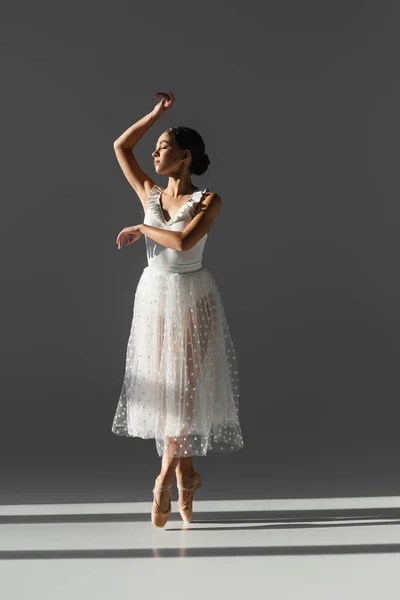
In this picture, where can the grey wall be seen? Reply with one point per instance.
(298, 104)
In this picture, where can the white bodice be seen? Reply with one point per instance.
(168, 259)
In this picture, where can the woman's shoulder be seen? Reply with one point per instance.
(207, 193)
(205, 198)
(212, 197)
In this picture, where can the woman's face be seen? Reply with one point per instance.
(168, 156)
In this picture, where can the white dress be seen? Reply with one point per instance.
(181, 383)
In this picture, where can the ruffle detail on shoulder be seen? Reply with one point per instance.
(196, 197)
(152, 196)
(154, 204)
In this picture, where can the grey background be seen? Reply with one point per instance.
(298, 104)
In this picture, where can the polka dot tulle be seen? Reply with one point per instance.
(181, 382)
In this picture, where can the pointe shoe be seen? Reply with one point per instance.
(160, 517)
(185, 509)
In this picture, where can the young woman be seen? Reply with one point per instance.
(181, 383)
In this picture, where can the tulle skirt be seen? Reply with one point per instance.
(181, 382)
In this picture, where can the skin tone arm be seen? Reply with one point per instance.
(177, 240)
(131, 136)
(200, 224)
(138, 179)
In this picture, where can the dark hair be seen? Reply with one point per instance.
(189, 138)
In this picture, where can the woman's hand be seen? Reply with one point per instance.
(131, 234)
(165, 103)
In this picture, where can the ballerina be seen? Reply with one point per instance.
(181, 382)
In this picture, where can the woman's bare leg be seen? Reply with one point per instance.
(184, 471)
(198, 328)
(165, 477)
(168, 461)
(184, 468)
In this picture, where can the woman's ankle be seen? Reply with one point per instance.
(165, 478)
(184, 474)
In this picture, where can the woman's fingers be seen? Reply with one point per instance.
(129, 240)
(120, 239)
(163, 96)
(167, 100)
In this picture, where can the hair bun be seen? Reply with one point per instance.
(203, 159)
(200, 165)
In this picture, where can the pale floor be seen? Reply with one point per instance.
(325, 549)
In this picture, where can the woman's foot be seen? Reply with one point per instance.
(185, 480)
(162, 498)
(187, 486)
(161, 508)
